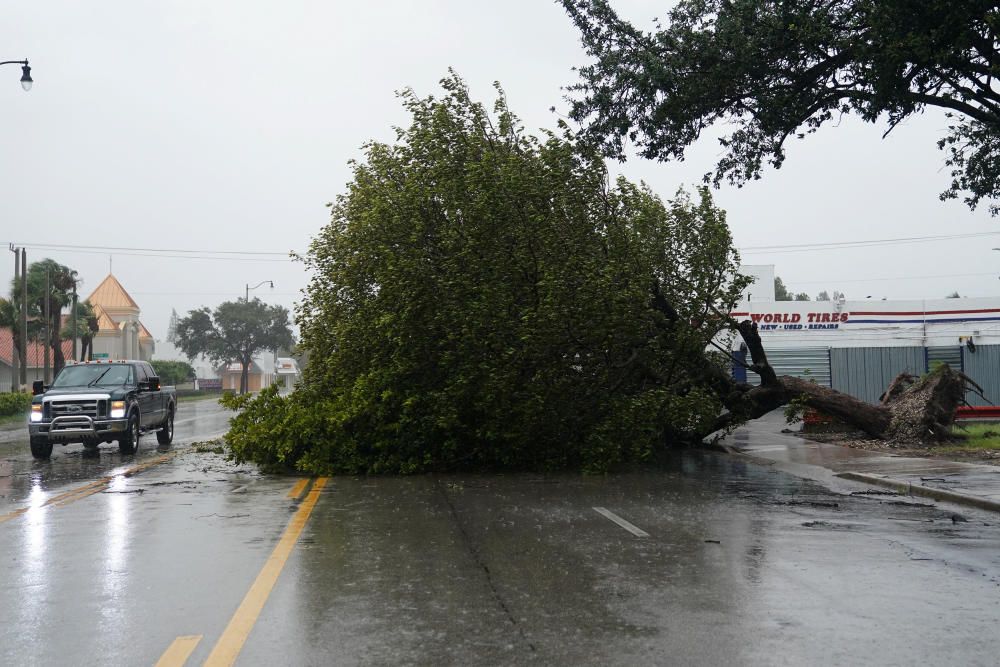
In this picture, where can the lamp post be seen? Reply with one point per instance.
(26, 79)
(248, 288)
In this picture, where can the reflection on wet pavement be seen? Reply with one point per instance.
(741, 564)
(20, 474)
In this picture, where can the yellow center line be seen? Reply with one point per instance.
(179, 651)
(90, 488)
(235, 635)
(14, 514)
(299, 487)
(83, 494)
(76, 494)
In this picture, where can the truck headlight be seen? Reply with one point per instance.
(36, 412)
(117, 409)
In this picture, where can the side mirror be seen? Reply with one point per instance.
(154, 383)
(37, 387)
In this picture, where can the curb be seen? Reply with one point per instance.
(926, 491)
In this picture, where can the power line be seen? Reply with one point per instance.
(891, 278)
(266, 294)
(76, 251)
(840, 245)
(157, 250)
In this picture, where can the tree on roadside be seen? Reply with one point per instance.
(485, 299)
(173, 372)
(954, 295)
(61, 280)
(823, 296)
(234, 332)
(777, 70)
(86, 328)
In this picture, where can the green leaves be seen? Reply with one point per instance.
(234, 332)
(483, 298)
(772, 70)
(173, 372)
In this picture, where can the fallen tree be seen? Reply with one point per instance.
(912, 409)
(483, 299)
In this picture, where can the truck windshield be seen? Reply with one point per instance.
(100, 375)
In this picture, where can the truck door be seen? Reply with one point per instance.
(155, 398)
(143, 397)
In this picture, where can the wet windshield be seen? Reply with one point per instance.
(110, 375)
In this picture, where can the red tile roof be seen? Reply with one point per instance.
(36, 353)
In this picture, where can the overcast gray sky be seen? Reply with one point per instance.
(228, 125)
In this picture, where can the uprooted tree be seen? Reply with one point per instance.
(912, 410)
(486, 299)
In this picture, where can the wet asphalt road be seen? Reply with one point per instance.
(740, 564)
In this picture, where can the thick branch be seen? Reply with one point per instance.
(748, 330)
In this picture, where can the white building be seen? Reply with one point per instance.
(121, 335)
(858, 346)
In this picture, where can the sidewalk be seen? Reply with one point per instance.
(970, 484)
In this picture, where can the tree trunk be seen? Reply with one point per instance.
(15, 338)
(58, 360)
(912, 410)
(244, 373)
(872, 419)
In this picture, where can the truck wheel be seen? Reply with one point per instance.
(41, 448)
(129, 441)
(166, 434)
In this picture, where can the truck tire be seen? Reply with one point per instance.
(129, 441)
(41, 448)
(166, 434)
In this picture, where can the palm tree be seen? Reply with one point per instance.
(86, 328)
(61, 281)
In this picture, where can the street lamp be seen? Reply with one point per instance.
(247, 297)
(26, 79)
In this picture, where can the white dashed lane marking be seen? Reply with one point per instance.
(630, 527)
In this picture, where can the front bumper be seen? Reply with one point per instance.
(77, 428)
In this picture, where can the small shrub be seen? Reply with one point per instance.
(14, 403)
(795, 409)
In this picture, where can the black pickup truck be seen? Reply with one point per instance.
(101, 401)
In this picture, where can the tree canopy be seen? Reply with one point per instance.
(782, 293)
(61, 281)
(234, 332)
(86, 328)
(483, 298)
(776, 70)
(173, 372)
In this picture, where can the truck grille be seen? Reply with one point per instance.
(71, 408)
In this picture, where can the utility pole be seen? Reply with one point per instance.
(24, 317)
(74, 320)
(48, 323)
(15, 360)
